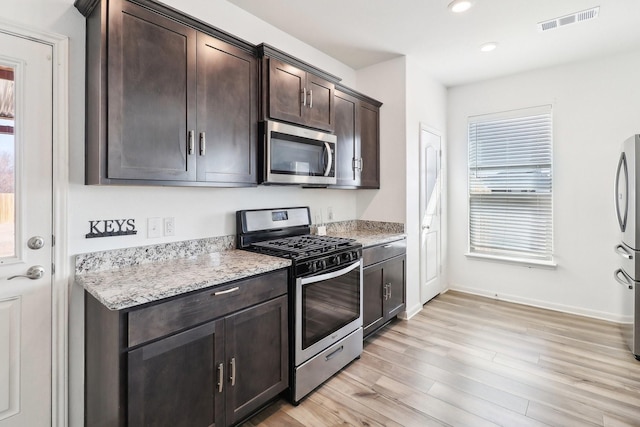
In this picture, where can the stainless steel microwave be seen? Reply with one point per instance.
(297, 155)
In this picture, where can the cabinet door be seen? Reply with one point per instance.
(394, 279)
(286, 92)
(346, 108)
(320, 112)
(227, 113)
(257, 357)
(372, 298)
(174, 381)
(151, 93)
(369, 146)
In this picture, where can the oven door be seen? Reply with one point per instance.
(328, 308)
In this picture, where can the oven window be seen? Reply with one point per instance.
(329, 305)
(292, 155)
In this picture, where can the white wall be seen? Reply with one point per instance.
(595, 107)
(386, 82)
(426, 104)
(410, 97)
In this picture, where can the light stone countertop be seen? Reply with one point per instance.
(129, 286)
(369, 237)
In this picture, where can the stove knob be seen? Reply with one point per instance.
(321, 265)
(312, 267)
(347, 256)
(354, 255)
(336, 260)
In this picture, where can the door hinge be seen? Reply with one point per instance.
(53, 240)
(53, 269)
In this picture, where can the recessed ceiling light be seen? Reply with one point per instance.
(488, 47)
(459, 6)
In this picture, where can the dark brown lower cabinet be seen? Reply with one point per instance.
(162, 365)
(172, 382)
(383, 295)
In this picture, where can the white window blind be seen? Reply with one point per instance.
(510, 184)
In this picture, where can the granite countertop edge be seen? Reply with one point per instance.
(135, 285)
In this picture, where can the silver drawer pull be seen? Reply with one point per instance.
(620, 250)
(388, 246)
(334, 353)
(226, 291)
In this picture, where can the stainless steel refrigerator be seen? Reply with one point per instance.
(627, 205)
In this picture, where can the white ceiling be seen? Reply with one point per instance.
(360, 33)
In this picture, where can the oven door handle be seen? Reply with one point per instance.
(329, 276)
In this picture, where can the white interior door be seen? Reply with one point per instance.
(430, 214)
(26, 90)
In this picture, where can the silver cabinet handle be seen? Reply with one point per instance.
(191, 142)
(310, 98)
(203, 144)
(361, 167)
(304, 96)
(226, 291)
(622, 251)
(628, 282)
(233, 371)
(220, 377)
(34, 272)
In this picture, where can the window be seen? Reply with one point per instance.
(510, 185)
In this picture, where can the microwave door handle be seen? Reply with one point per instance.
(329, 159)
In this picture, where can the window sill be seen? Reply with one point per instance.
(551, 265)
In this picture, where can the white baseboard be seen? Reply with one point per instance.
(611, 317)
(408, 314)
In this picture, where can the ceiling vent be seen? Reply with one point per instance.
(584, 15)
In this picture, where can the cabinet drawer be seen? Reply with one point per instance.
(171, 316)
(379, 253)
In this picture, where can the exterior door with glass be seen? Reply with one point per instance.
(430, 214)
(26, 90)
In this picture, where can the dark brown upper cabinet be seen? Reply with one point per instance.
(170, 101)
(358, 130)
(296, 92)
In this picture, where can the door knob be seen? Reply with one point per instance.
(33, 273)
(425, 227)
(36, 242)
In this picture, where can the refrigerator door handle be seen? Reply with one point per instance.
(623, 252)
(622, 166)
(628, 282)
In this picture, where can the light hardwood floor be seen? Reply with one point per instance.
(471, 361)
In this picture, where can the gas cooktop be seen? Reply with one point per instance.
(299, 247)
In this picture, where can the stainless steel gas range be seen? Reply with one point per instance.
(325, 291)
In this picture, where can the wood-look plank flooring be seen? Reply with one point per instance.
(466, 360)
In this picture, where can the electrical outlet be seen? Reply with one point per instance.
(330, 213)
(170, 226)
(154, 227)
